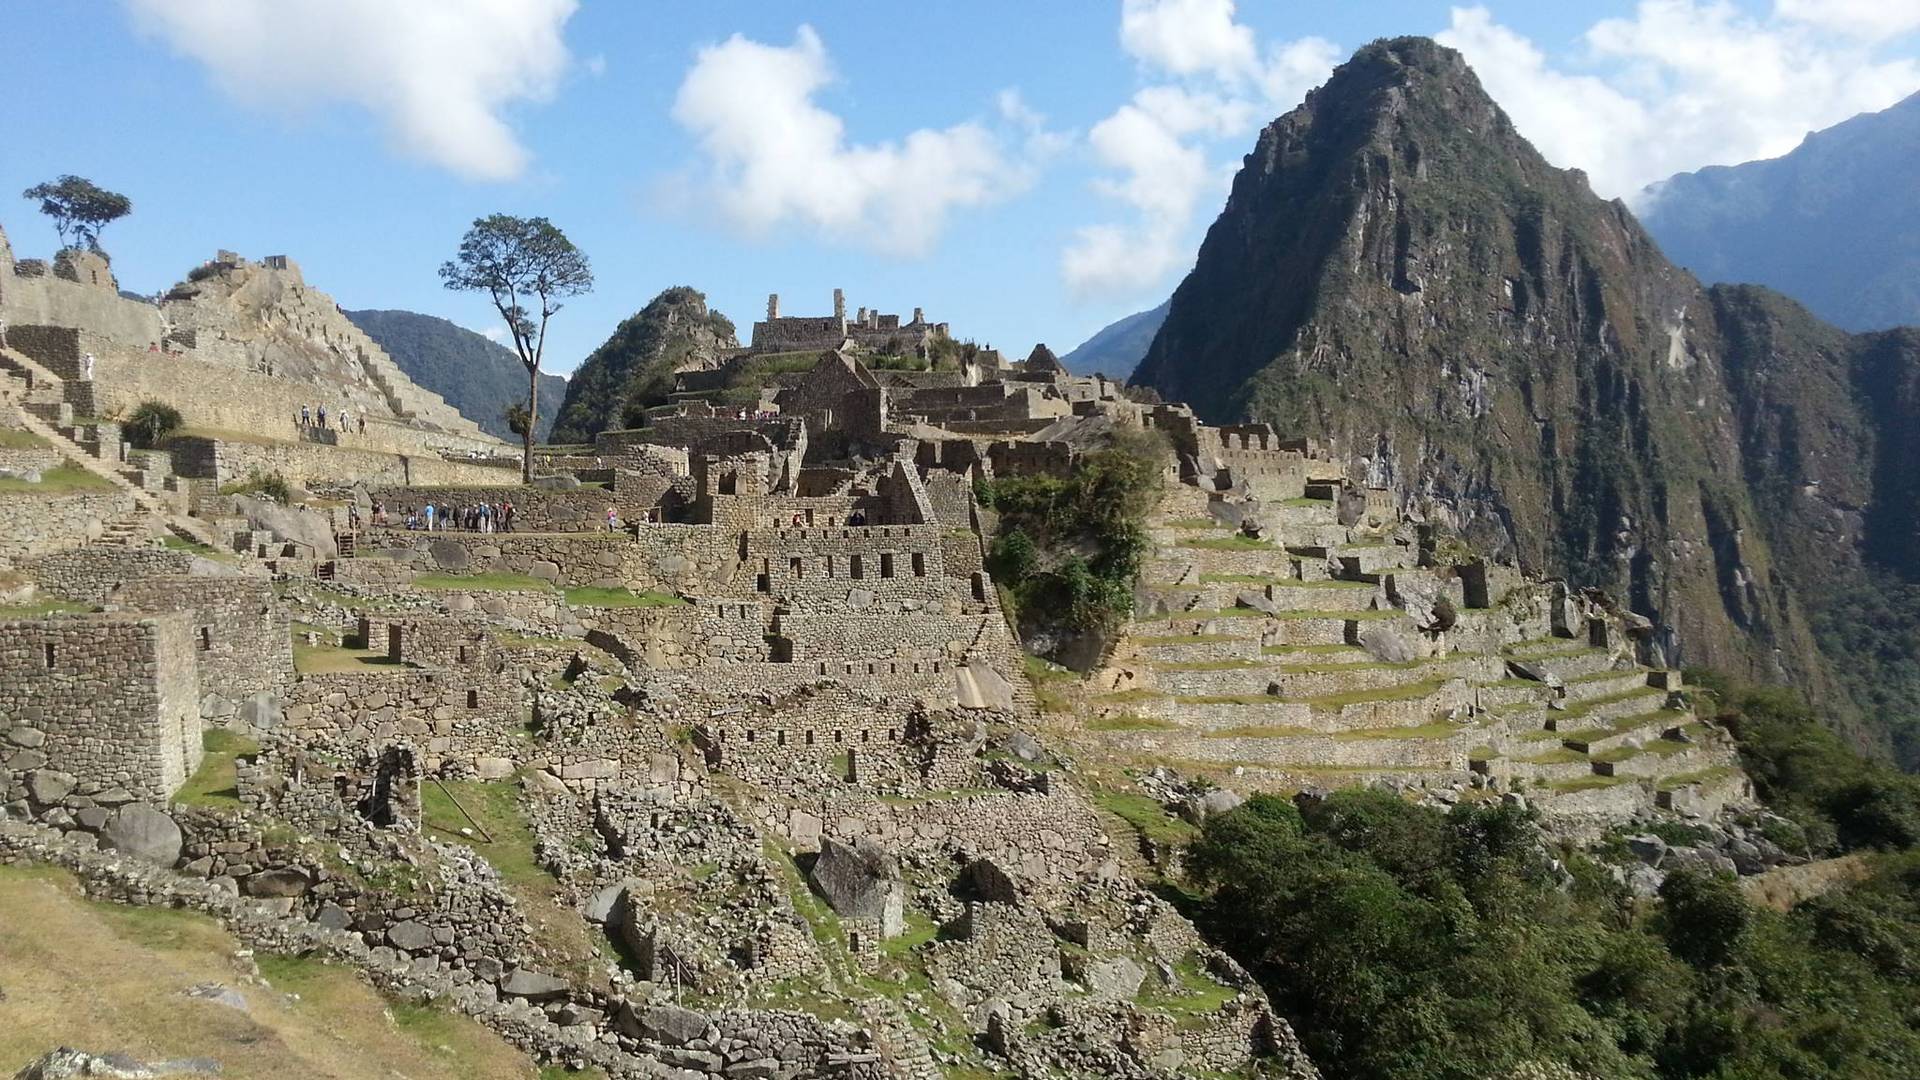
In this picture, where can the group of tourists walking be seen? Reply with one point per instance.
(473, 517)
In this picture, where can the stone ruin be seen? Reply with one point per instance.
(768, 741)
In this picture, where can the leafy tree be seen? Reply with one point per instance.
(80, 207)
(516, 416)
(519, 262)
(150, 424)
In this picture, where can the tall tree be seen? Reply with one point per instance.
(516, 262)
(79, 206)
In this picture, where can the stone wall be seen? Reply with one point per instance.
(90, 575)
(113, 700)
(226, 460)
(241, 641)
(34, 524)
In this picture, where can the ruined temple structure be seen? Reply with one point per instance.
(867, 328)
(744, 678)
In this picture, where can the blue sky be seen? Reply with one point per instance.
(1024, 171)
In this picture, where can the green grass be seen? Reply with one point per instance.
(1699, 776)
(21, 439)
(1560, 756)
(38, 608)
(1229, 543)
(1362, 697)
(591, 596)
(1129, 722)
(1212, 613)
(205, 551)
(1050, 683)
(1314, 650)
(1230, 699)
(495, 581)
(1146, 816)
(1260, 731)
(1207, 665)
(1195, 997)
(496, 805)
(64, 479)
(1585, 783)
(215, 783)
(336, 659)
(1185, 639)
(1436, 730)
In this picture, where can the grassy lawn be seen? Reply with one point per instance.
(1147, 817)
(214, 783)
(20, 439)
(1130, 723)
(496, 805)
(37, 608)
(106, 977)
(497, 581)
(1195, 997)
(333, 659)
(589, 596)
(1229, 543)
(207, 551)
(65, 479)
(1051, 684)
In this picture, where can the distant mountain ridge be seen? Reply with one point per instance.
(1835, 224)
(478, 376)
(1115, 350)
(634, 367)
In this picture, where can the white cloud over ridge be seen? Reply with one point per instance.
(437, 73)
(1684, 84)
(1214, 83)
(775, 155)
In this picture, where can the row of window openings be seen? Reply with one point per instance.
(780, 736)
(893, 668)
(53, 654)
(856, 566)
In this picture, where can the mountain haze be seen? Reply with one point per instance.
(476, 375)
(1835, 224)
(1399, 271)
(1116, 349)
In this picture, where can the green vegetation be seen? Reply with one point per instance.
(269, 485)
(36, 608)
(214, 783)
(63, 479)
(1409, 942)
(20, 439)
(1146, 817)
(1046, 522)
(151, 423)
(79, 208)
(481, 378)
(496, 581)
(633, 369)
(589, 596)
(1236, 542)
(328, 657)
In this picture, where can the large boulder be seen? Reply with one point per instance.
(313, 531)
(143, 832)
(261, 712)
(669, 1024)
(978, 686)
(1388, 645)
(861, 881)
(449, 555)
(533, 985)
(70, 1064)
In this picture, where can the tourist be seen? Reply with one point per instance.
(379, 512)
(321, 414)
(306, 415)
(363, 421)
(429, 513)
(509, 517)
(413, 522)
(797, 521)
(613, 520)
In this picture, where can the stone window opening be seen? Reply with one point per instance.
(463, 654)
(50, 656)
(729, 483)
(839, 737)
(809, 736)
(206, 638)
(866, 735)
(855, 569)
(473, 699)
(829, 566)
(794, 565)
(886, 564)
(893, 735)
(919, 564)
(780, 737)
(750, 737)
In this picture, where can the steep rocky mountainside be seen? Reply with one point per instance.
(478, 376)
(1115, 350)
(634, 368)
(1399, 271)
(1835, 224)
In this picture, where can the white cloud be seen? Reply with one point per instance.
(437, 73)
(1157, 144)
(776, 155)
(1188, 37)
(1678, 86)
(496, 333)
(1873, 20)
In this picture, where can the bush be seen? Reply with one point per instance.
(151, 423)
(271, 486)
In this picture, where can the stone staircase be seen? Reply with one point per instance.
(39, 401)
